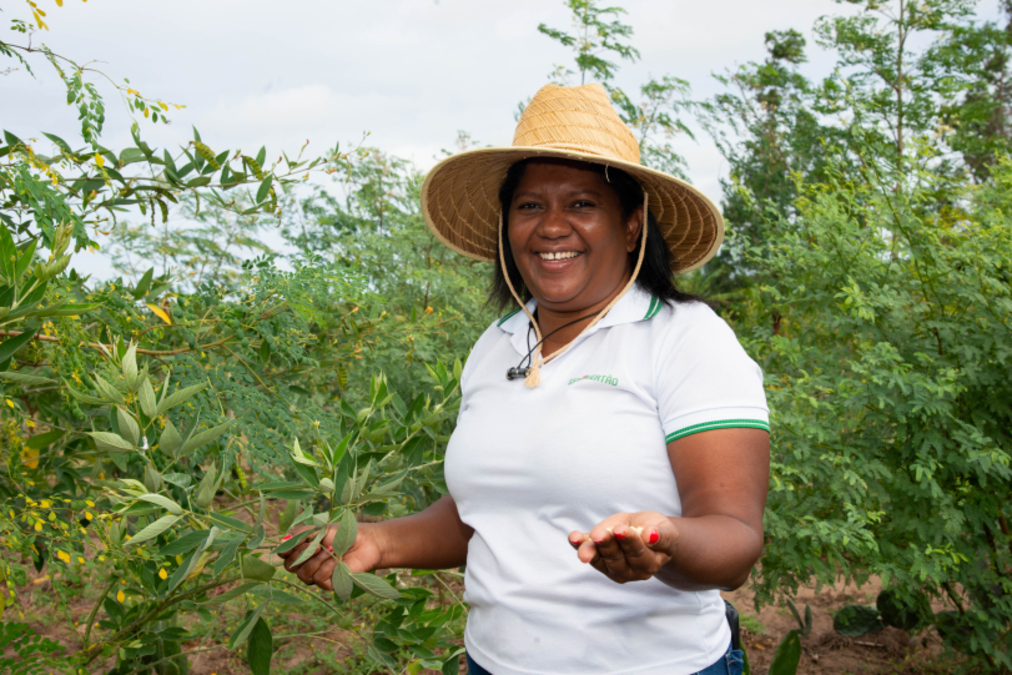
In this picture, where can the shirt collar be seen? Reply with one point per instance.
(635, 305)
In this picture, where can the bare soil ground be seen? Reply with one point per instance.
(824, 651)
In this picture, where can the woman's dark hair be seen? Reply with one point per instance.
(655, 275)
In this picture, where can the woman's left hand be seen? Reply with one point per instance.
(628, 546)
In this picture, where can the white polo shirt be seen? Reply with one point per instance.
(528, 466)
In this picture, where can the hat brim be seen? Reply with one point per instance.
(460, 203)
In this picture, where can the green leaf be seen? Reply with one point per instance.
(67, 309)
(108, 392)
(144, 284)
(9, 255)
(226, 556)
(203, 438)
(182, 480)
(370, 583)
(84, 398)
(129, 366)
(184, 569)
(342, 581)
(184, 543)
(39, 441)
(289, 544)
(312, 549)
(25, 380)
(170, 440)
(146, 396)
(9, 347)
(110, 442)
(259, 534)
(246, 627)
(25, 260)
(788, 655)
(274, 595)
(241, 589)
(256, 569)
(347, 531)
(60, 143)
(163, 501)
(205, 490)
(153, 530)
(260, 648)
(128, 426)
(264, 189)
(451, 664)
(178, 397)
(288, 517)
(230, 523)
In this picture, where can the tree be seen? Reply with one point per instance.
(769, 133)
(145, 445)
(655, 119)
(887, 382)
(378, 234)
(594, 39)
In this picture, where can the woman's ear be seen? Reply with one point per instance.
(633, 229)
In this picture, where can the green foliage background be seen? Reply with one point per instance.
(163, 430)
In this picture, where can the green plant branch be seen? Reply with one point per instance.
(94, 612)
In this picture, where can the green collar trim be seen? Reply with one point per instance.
(507, 317)
(655, 307)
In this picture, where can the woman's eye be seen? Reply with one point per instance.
(527, 205)
(583, 203)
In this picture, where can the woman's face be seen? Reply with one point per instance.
(569, 239)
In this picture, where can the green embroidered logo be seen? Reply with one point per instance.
(606, 379)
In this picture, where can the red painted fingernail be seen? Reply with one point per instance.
(330, 548)
(599, 542)
(654, 537)
(620, 535)
(286, 537)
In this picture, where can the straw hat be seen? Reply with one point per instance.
(460, 195)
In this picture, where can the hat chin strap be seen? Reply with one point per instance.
(533, 378)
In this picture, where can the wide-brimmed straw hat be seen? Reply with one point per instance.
(460, 195)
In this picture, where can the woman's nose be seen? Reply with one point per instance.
(554, 224)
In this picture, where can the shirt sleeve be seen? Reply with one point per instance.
(705, 380)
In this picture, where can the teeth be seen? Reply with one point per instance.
(561, 255)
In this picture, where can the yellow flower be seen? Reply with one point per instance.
(87, 515)
(89, 503)
(162, 574)
(120, 596)
(38, 526)
(63, 555)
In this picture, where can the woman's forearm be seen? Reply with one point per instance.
(712, 552)
(432, 539)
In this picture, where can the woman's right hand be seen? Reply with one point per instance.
(363, 556)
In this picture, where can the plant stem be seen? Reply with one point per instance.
(94, 612)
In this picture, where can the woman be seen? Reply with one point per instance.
(600, 508)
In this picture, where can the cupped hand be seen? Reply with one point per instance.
(363, 556)
(627, 546)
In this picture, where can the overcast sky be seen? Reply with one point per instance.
(410, 72)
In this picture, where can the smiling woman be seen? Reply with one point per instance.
(639, 449)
